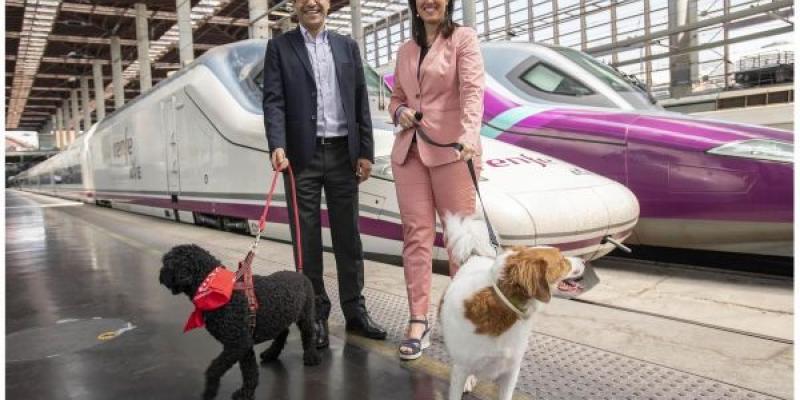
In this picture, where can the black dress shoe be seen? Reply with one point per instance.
(363, 325)
(321, 327)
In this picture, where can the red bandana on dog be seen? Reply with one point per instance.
(214, 293)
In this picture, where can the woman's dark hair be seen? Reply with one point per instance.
(446, 28)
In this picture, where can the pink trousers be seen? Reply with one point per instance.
(423, 192)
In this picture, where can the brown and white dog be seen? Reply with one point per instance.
(486, 311)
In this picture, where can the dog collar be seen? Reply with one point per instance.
(521, 314)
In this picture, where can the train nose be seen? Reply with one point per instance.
(576, 220)
(536, 200)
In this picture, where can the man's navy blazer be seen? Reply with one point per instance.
(290, 97)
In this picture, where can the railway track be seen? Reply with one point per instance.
(687, 321)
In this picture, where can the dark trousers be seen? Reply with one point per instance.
(330, 169)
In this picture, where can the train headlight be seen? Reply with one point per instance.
(757, 149)
(382, 169)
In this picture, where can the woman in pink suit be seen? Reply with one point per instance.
(440, 74)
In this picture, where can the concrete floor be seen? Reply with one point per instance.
(69, 261)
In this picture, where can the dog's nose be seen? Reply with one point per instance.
(578, 266)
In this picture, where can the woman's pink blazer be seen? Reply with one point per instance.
(449, 93)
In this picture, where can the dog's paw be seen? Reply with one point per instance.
(470, 384)
(240, 395)
(312, 357)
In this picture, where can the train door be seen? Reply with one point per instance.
(170, 126)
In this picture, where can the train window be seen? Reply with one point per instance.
(550, 80)
(258, 79)
(602, 71)
(372, 78)
(253, 86)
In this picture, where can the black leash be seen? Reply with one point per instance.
(470, 165)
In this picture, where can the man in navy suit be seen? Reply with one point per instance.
(316, 114)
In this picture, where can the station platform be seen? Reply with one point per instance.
(87, 319)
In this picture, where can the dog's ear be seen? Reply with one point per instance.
(165, 275)
(541, 289)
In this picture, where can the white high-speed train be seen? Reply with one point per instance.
(193, 149)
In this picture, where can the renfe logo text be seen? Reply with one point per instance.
(521, 159)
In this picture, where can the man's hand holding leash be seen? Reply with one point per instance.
(363, 169)
(279, 160)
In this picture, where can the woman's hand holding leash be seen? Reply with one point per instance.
(467, 151)
(464, 150)
(406, 117)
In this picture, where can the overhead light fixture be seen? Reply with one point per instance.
(75, 54)
(37, 22)
(75, 23)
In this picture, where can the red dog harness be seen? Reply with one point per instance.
(217, 289)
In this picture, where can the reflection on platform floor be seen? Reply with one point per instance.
(63, 274)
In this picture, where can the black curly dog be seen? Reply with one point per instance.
(284, 298)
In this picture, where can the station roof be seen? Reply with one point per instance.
(50, 44)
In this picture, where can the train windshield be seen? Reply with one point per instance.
(376, 86)
(378, 94)
(598, 69)
(374, 81)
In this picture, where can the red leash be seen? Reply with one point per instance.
(262, 221)
(299, 265)
(245, 271)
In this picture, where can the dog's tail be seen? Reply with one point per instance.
(466, 236)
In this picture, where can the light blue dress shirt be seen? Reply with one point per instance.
(331, 119)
